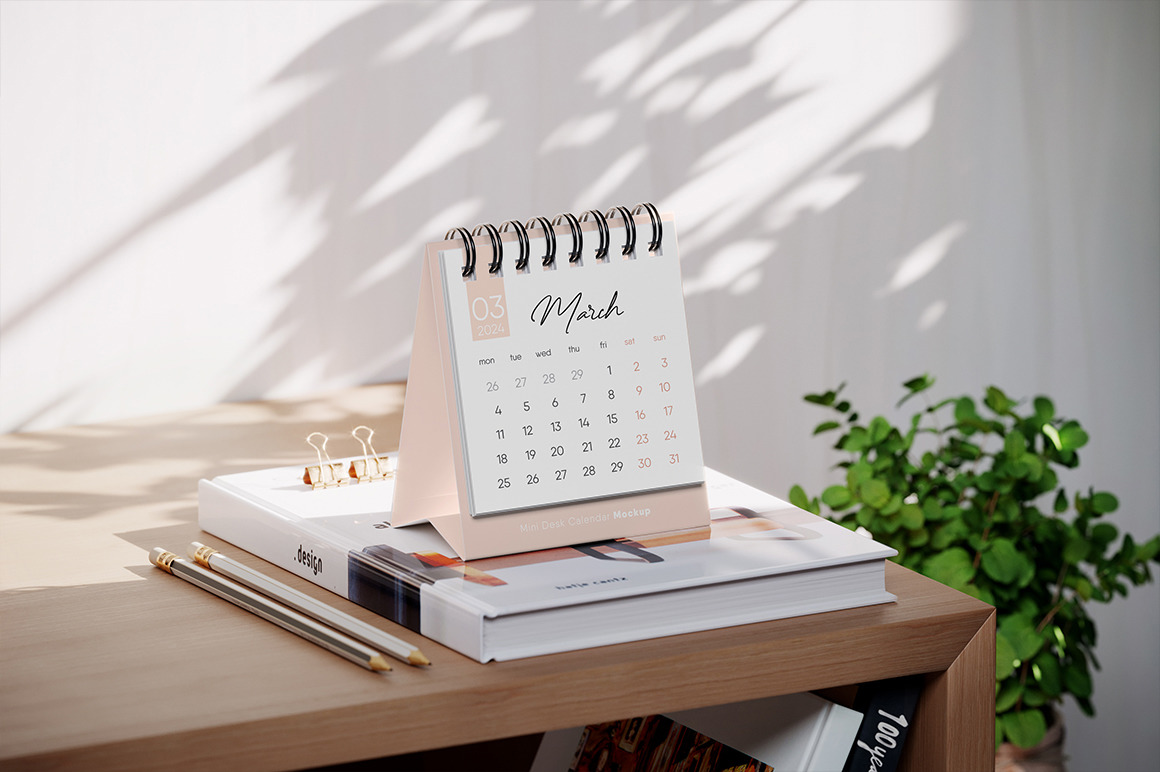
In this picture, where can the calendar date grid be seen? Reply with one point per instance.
(581, 424)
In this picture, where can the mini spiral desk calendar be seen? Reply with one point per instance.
(550, 397)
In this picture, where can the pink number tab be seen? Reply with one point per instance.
(487, 308)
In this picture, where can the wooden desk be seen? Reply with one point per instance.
(108, 663)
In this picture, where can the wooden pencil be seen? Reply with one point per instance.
(332, 640)
(316, 609)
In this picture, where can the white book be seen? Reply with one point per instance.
(760, 559)
(792, 732)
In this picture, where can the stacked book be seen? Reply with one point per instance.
(759, 559)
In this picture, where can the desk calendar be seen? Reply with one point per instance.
(550, 399)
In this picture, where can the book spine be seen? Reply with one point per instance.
(361, 575)
(287, 543)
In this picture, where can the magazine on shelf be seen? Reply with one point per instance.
(760, 559)
(792, 732)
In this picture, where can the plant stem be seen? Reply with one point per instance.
(1056, 599)
(987, 531)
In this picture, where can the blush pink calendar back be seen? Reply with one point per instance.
(432, 479)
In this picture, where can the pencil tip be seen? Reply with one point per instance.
(416, 658)
(379, 662)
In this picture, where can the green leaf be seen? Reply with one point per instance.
(997, 401)
(1102, 535)
(1008, 695)
(1025, 728)
(1048, 674)
(912, 516)
(952, 567)
(921, 383)
(1004, 657)
(1053, 435)
(893, 505)
(1071, 436)
(857, 440)
(1149, 549)
(916, 385)
(874, 493)
(1014, 445)
(1033, 698)
(1104, 502)
(948, 533)
(798, 498)
(965, 410)
(1019, 629)
(1044, 409)
(825, 400)
(1077, 680)
(1076, 549)
(1004, 563)
(857, 474)
(879, 428)
(1061, 501)
(826, 426)
(837, 497)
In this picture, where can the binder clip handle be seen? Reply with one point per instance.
(326, 474)
(371, 466)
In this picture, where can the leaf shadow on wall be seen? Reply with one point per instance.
(425, 117)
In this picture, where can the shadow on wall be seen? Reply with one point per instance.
(423, 117)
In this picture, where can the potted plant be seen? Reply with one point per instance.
(970, 495)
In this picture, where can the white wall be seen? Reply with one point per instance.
(218, 201)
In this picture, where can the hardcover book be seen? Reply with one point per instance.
(760, 559)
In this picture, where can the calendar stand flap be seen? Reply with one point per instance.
(425, 485)
(579, 523)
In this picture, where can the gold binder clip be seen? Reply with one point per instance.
(371, 466)
(327, 474)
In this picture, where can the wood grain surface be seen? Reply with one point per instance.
(109, 663)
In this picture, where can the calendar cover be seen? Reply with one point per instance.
(760, 559)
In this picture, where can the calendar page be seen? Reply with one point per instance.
(574, 381)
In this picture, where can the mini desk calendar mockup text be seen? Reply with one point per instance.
(566, 394)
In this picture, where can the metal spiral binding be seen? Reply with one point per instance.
(468, 249)
(577, 234)
(522, 238)
(601, 229)
(548, 227)
(629, 228)
(655, 217)
(496, 246)
(549, 238)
